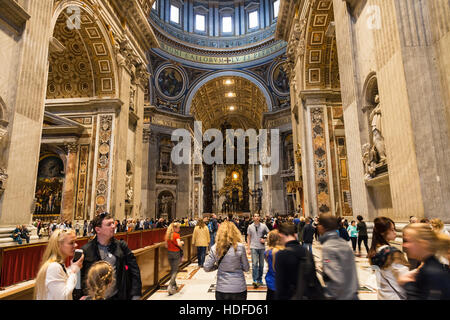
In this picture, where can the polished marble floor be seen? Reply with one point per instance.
(196, 284)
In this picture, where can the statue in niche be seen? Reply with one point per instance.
(164, 205)
(368, 157)
(128, 183)
(170, 82)
(377, 136)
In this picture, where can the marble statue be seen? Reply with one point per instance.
(165, 200)
(128, 187)
(377, 136)
(368, 155)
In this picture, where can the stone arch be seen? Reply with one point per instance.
(370, 90)
(231, 73)
(81, 63)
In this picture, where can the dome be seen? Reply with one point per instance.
(215, 25)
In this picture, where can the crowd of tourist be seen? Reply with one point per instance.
(416, 269)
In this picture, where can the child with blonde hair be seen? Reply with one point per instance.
(100, 280)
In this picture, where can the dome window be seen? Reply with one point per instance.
(253, 21)
(200, 22)
(276, 8)
(174, 14)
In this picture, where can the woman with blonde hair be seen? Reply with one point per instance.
(99, 281)
(229, 257)
(174, 244)
(54, 281)
(431, 281)
(274, 245)
(201, 239)
(438, 226)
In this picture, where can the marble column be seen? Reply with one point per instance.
(68, 202)
(23, 87)
(316, 153)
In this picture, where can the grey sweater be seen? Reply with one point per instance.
(230, 276)
(339, 268)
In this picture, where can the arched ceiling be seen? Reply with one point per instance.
(212, 104)
(321, 60)
(308, 26)
(80, 64)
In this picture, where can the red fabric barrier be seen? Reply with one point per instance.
(161, 235)
(134, 240)
(121, 236)
(146, 238)
(21, 263)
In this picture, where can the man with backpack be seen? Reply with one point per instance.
(212, 227)
(295, 276)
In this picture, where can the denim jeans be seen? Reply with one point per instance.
(257, 264)
(231, 296)
(212, 236)
(174, 261)
(201, 253)
(308, 246)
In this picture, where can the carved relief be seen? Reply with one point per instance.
(82, 183)
(103, 163)
(296, 45)
(320, 159)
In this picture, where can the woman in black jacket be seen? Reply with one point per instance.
(432, 279)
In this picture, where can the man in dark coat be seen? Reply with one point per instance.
(105, 247)
(308, 234)
(287, 268)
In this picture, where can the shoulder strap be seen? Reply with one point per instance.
(221, 258)
(64, 267)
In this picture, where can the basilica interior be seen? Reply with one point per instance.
(93, 92)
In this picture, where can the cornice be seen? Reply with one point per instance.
(14, 15)
(133, 15)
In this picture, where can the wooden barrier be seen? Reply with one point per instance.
(20, 263)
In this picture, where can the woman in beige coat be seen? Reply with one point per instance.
(201, 240)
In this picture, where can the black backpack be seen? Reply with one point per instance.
(308, 286)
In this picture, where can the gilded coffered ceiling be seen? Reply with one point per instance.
(232, 99)
(80, 64)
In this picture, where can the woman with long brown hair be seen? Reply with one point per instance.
(201, 239)
(174, 244)
(389, 263)
(229, 257)
(54, 281)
